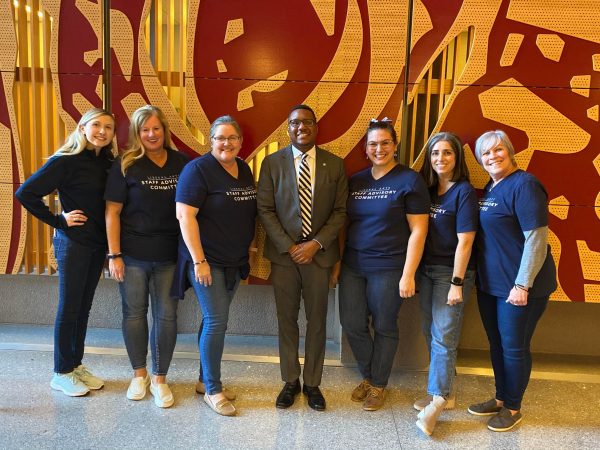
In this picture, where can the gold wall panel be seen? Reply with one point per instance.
(386, 64)
(235, 29)
(6, 196)
(559, 206)
(325, 9)
(596, 62)
(156, 93)
(556, 249)
(269, 85)
(580, 84)
(579, 18)
(590, 266)
(592, 293)
(551, 46)
(547, 128)
(329, 89)
(511, 48)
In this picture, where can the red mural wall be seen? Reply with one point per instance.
(533, 70)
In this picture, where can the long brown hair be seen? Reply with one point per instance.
(461, 171)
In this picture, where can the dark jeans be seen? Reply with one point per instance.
(154, 279)
(509, 329)
(374, 294)
(79, 269)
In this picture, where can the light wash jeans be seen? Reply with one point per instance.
(143, 278)
(441, 323)
(214, 301)
(374, 294)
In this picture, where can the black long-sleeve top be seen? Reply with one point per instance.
(80, 181)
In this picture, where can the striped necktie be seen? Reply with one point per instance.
(305, 196)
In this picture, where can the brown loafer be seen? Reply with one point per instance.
(360, 392)
(375, 399)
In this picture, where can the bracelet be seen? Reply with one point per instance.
(114, 255)
(200, 262)
(521, 287)
(253, 249)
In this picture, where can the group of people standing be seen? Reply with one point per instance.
(169, 224)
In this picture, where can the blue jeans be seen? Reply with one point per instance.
(214, 301)
(509, 329)
(143, 278)
(375, 294)
(441, 323)
(79, 269)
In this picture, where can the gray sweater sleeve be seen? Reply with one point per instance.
(534, 255)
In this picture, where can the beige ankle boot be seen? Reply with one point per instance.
(427, 418)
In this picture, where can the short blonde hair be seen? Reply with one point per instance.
(491, 139)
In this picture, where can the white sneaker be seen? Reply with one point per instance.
(137, 387)
(91, 381)
(163, 397)
(69, 384)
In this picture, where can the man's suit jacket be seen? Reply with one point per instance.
(279, 206)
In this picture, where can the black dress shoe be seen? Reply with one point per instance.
(286, 397)
(315, 399)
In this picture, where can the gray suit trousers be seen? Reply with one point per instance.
(291, 283)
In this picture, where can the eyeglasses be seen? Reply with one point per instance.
(222, 139)
(295, 123)
(372, 145)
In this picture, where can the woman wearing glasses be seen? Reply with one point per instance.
(142, 241)
(216, 208)
(388, 209)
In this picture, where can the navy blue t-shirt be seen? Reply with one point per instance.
(149, 226)
(518, 203)
(226, 209)
(378, 230)
(455, 211)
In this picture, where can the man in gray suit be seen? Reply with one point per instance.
(302, 192)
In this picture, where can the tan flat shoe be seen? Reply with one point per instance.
(223, 407)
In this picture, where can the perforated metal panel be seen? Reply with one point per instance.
(559, 206)
(511, 48)
(551, 46)
(580, 84)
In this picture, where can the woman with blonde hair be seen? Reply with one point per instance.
(78, 172)
(142, 235)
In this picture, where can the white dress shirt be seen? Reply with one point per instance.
(312, 164)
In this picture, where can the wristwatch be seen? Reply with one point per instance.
(457, 281)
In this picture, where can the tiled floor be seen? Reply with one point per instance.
(557, 414)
